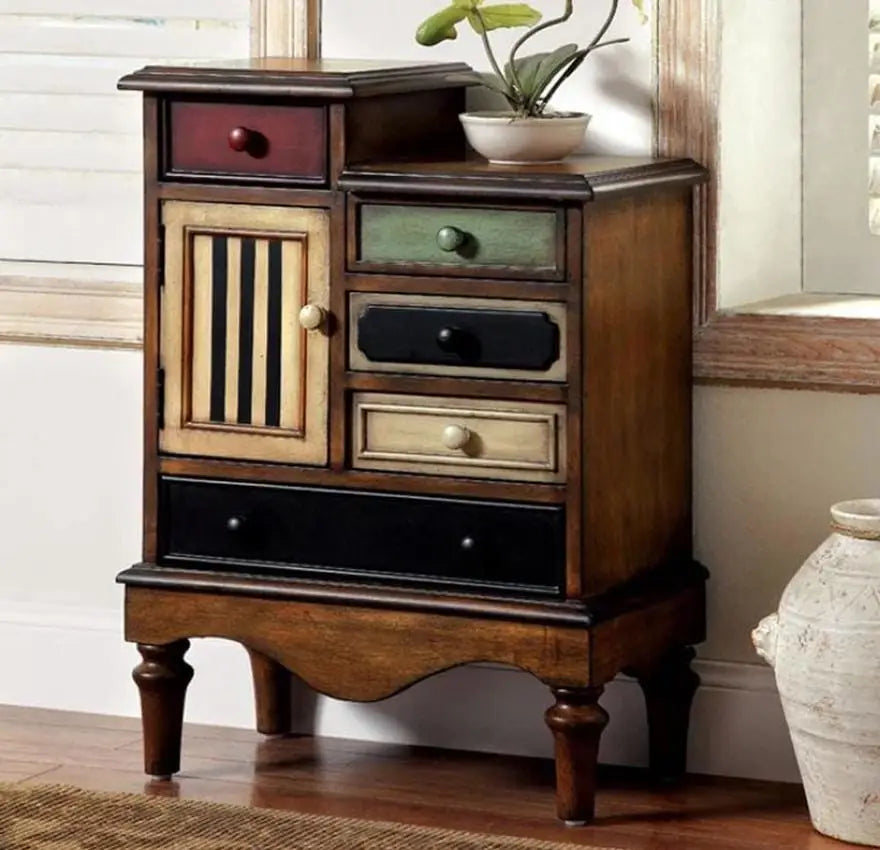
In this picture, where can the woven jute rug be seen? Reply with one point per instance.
(53, 817)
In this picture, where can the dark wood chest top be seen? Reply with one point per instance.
(284, 77)
(578, 178)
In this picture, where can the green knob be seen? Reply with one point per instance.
(450, 238)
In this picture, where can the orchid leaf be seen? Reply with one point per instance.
(553, 63)
(494, 82)
(501, 15)
(441, 26)
(568, 68)
(550, 65)
(526, 71)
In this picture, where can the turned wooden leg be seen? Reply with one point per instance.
(162, 678)
(669, 687)
(576, 721)
(272, 693)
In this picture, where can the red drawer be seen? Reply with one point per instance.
(248, 140)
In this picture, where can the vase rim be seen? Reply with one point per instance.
(857, 516)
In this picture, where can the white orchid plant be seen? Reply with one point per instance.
(527, 83)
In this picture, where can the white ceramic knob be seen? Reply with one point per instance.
(456, 437)
(311, 317)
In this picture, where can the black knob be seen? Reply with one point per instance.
(235, 524)
(468, 544)
(448, 338)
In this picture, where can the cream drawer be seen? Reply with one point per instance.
(476, 438)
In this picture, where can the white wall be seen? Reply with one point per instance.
(614, 85)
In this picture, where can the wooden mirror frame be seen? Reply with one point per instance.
(733, 346)
(286, 28)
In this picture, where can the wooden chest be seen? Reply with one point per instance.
(405, 410)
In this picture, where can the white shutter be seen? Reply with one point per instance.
(70, 144)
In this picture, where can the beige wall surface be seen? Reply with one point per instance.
(768, 464)
(70, 474)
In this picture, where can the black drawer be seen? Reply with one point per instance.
(463, 336)
(352, 535)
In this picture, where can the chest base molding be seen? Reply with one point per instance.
(356, 649)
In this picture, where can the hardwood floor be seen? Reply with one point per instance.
(457, 790)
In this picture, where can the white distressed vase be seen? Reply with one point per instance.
(824, 643)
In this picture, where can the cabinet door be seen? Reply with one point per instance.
(245, 373)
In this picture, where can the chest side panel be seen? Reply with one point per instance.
(637, 386)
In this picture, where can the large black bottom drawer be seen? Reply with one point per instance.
(353, 535)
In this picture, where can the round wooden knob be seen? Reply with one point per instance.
(450, 238)
(468, 543)
(456, 436)
(311, 317)
(235, 523)
(239, 139)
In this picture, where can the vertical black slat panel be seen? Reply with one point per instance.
(246, 332)
(273, 341)
(219, 276)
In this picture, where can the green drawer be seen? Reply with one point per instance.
(460, 240)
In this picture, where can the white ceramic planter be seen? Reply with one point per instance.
(506, 139)
(824, 644)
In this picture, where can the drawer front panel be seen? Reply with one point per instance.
(457, 336)
(338, 534)
(460, 240)
(476, 438)
(251, 140)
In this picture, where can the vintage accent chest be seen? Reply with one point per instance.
(405, 410)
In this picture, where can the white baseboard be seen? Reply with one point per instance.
(72, 658)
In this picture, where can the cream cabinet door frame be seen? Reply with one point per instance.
(243, 378)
